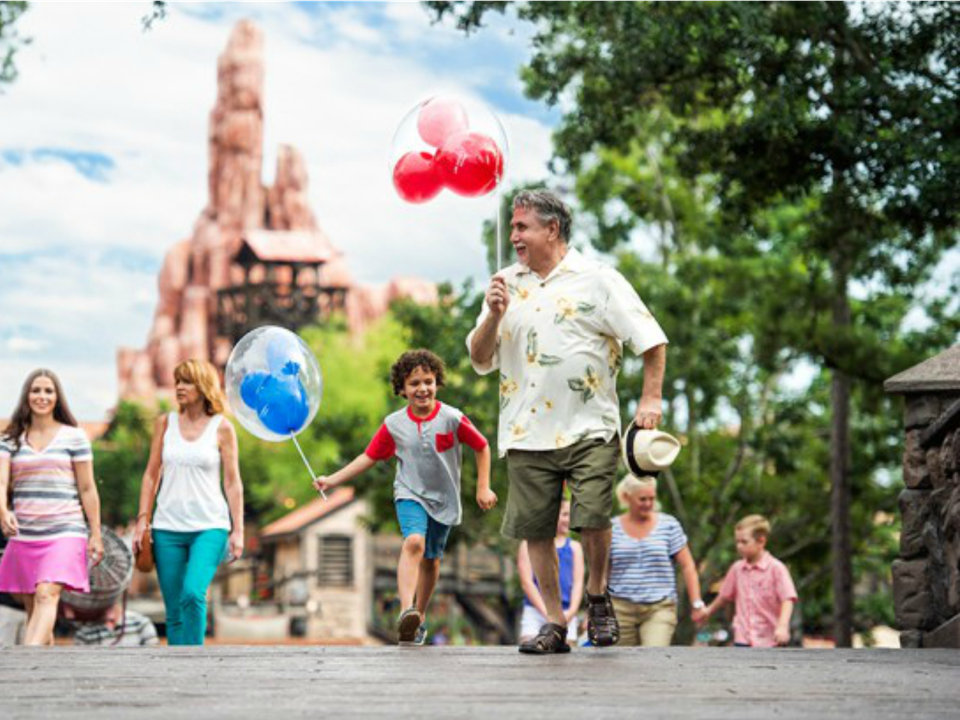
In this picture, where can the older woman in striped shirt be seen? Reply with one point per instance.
(643, 582)
(50, 464)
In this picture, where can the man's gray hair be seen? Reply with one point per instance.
(548, 207)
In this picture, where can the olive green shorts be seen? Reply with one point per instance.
(589, 468)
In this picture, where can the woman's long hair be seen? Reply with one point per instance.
(204, 376)
(20, 421)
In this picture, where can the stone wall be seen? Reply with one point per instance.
(926, 575)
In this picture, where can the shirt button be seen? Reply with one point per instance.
(533, 410)
(538, 309)
(533, 384)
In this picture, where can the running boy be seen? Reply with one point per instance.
(761, 588)
(425, 437)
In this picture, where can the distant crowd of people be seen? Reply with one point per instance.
(554, 326)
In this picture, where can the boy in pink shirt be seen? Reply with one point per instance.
(761, 588)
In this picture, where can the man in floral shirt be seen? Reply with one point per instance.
(554, 325)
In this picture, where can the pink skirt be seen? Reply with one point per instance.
(27, 563)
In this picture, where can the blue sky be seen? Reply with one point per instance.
(103, 158)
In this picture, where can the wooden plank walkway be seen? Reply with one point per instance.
(484, 682)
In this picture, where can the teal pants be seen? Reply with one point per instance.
(186, 564)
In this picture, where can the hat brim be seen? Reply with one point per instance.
(642, 462)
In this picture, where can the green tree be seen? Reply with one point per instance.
(119, 460)
(850, 109)
(10, 40)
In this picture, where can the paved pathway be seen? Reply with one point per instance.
(275, 683)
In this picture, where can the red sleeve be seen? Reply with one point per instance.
(382, 447)
(469, 435)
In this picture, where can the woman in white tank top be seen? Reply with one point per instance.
(197, 523)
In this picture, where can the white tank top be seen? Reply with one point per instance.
(190, 497)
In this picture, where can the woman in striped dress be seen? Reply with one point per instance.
(643, 580)
(47, 461)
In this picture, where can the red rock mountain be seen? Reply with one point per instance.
(273, 223)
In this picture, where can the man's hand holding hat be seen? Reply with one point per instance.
(649, 413)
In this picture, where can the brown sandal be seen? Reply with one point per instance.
(602, 626)
(551, 639)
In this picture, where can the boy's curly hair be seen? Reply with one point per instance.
(410, 361)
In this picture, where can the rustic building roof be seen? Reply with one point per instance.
(309, 246)
(298, 519)
(941, 372)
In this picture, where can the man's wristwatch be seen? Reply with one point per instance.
(698, 604)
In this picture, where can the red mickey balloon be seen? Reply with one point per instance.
(439, 118)
(416, 178)
(470, 164)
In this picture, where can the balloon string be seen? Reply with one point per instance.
(499, 229)
(306, 462)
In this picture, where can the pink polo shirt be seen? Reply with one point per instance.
(759, 592)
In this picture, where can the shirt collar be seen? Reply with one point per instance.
(428, 418)
(572, 262)
(762, 564)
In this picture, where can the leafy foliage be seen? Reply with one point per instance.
(119, 460)
(776, 179)
(10, 40)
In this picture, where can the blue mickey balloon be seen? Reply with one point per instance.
(284, 354)
(273, 382)
(250, 388)
(283, 404)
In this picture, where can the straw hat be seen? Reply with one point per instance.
(647, 452)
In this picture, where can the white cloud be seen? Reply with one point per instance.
(338, 79)
(17, 344)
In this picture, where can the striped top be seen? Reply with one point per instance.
(46, 500)
(136, 631)
(642, 571)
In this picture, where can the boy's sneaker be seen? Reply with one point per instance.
(407, 626)
(420, 638)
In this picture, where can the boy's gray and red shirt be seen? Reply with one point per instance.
(429, 453)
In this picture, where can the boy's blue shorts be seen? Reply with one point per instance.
(414, 520)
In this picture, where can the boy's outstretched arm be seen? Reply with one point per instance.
(359, 464)
(486, 498)
(782, 632)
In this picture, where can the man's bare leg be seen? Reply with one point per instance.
(543, 559)
(596, 550)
